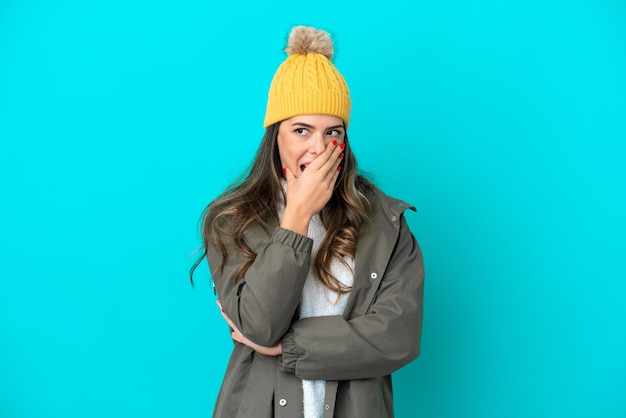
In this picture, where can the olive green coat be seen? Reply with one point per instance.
(355, 353)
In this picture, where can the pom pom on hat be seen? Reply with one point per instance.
(305, 39)
(307, 82)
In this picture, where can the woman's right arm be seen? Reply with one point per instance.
(263, 303)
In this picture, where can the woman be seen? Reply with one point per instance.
(316, 270)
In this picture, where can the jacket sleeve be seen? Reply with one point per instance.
(375, 344)
(263, 303)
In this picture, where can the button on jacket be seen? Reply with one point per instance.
(355, 353)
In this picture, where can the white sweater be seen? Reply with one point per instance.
(320, 301)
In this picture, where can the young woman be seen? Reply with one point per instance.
(316, 270)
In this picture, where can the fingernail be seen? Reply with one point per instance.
(223, 311)
(342, 146)
(341, 155)
(334, 142)
(339, 168)
(284, 170)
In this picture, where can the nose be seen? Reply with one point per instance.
(317, 144)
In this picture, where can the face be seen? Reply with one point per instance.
(302, 138)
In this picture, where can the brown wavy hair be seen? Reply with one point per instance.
(255, 196)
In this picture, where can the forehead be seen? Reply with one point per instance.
(318, 121)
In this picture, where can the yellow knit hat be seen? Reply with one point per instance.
(307, 83)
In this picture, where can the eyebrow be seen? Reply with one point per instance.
(306, 125)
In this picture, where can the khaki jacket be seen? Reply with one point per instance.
(355, 353)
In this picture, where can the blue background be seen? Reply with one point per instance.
(503, 122)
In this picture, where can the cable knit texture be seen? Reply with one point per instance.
(307, 82)
(320, 301)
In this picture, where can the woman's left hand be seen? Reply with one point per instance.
(277, 350)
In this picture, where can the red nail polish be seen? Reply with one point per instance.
(341, 155)
(284, 171)
(334, 142)
(342, 146)
(339, 168)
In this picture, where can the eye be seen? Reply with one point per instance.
(333, 132)
(301, 131)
